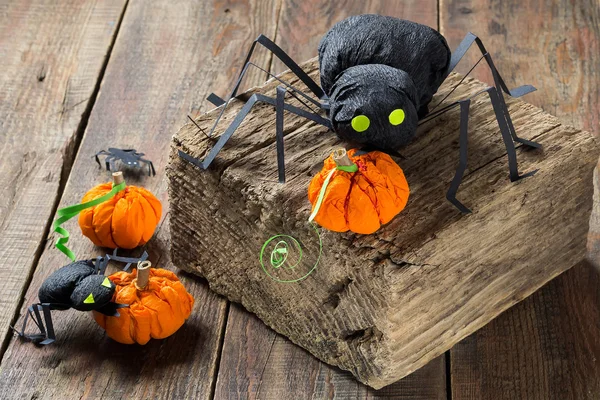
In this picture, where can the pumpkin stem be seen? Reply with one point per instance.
(117, 178)
(340, 156)
(143, 274)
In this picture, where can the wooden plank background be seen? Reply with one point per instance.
(66, 92)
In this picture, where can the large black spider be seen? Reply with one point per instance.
(378, 75)
(129, 157)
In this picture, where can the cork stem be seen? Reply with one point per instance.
(143, 274)
(341, 158)
(117, 178)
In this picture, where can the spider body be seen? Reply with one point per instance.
(372, 66)
(378, 75)
(77, 285)
(129, 157)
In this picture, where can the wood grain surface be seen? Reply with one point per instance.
(547, 347)
(258, 363)
(159, 71)
(51, 57)
(401, 298)
(168, 57)
(246, 371)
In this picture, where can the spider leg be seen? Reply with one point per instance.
(128, 260)
(279, 106)
(108, 162)
(462, 158)
(287, 60)
(113, 166)
(463, 143)
(282, 55)
(46, 335)
(499, 84)
(505, 124)
(298, 71)
(255, 98)
(151, 170)
(51, 337)
(100, 153)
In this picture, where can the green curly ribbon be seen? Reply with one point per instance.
(65, 214)
(279, 256)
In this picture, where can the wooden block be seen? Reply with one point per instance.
(385, 304)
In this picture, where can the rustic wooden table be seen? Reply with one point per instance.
(79, 76)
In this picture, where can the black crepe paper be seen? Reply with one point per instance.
(371, 65)
(72, 284)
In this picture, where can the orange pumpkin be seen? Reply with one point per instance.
(158, 305)
(126, 221)
(357, 192)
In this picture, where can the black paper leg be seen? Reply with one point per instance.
(100, 265)
(462, 161)
(100, 153)
(51, 337)
(111, 309)
(255, 98)
(113, 166)
(463, 141)
(110, 163)
(128, 260)
(282, 55)
(287, 60)
(46, 335)
(502, 104)
(279, 106)
(217, 101)
(499, 83)
(151, 170)
(506, 135)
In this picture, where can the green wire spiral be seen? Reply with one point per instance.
(279, 255)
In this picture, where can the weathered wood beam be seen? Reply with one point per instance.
(383, 305)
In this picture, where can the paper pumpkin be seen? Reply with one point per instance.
(158, 305)
(357, 192)
(126, 221)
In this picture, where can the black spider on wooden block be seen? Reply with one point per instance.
(129, 157)
(378, 75)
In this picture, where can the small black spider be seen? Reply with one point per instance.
(129, 157)
(80, 285)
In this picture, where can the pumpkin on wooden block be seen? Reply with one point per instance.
(158, 305)
(357, 192)
(126, 221)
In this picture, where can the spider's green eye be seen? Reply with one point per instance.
(360, 123)
(397, 116)
(89, 299)
(106, 283)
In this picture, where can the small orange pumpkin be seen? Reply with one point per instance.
(158, 305)
(126, 221)
(357, 192)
